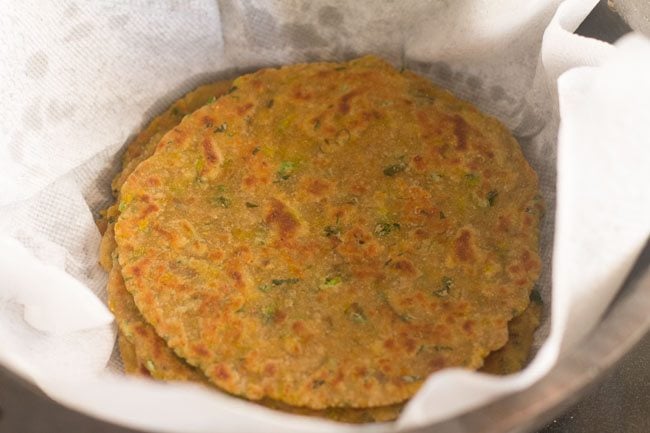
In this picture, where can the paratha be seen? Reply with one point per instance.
(283, 238)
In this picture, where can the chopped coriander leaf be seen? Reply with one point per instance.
(316, 124)
(286, 170)
(256, 149)
(111, 219)
(536, 297)
(279, 282)
(249, 204)
(269, 313)
(232, 89)
(264, 288)
(211, 100)
(491, 197)
(471, 179)
(221, 128)
(332, 281)
(222, 201)
(332, 231)
(446, 284)
(122, 206)
(384, 229)
(394, 169)
(355, 313)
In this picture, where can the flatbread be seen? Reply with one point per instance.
(281, 237)
(143, 352)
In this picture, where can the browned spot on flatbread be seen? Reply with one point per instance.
(464, 247)
(211, 155)
(281, 218)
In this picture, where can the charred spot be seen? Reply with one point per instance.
(437, 363)
(243, 109)
(317, 187)
(344, 103)
(208, 122)
(338, 378)
(521, 282)
(237, 277)
(153, 181)
(361, 371)
(461, 130)
(200, 350)
(464, 250)
(468, 326)
(371, 115)
(270, 369)
(280, 316)
(409, 344)
(405, 267)
(149, 210)
(140, 331)
(208, 150)
(282, 219)
(418, 162)
(221, 372)
(298, 327)
(528, 261)
(389, 343)
(301, 94)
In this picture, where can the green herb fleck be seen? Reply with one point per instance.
(122, 206)
(471, 179)
(270, 103)
(232, 89)
(279, 282)
(442, 348)
(317, 383)
(340, 68)
(491, 197)
(221, 128)
(264, 288)
(111, 219)
(446, 284)
(355, 313)
(316, 124)
(394, 169)
(249, 204)
(332, 231)
(332, 281)
(256, 149)
(222, 201)
(536, 297)
(411, 379)
(269, 312)
(176, 111)
(212, 99)
(442, 215)
(384, 229)
(286, 170)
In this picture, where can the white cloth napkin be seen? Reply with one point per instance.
(77, 80)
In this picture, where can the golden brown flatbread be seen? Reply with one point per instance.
(328, 235)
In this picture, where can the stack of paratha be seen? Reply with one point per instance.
(320, 238)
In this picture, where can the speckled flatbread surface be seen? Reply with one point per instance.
(330, 234)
